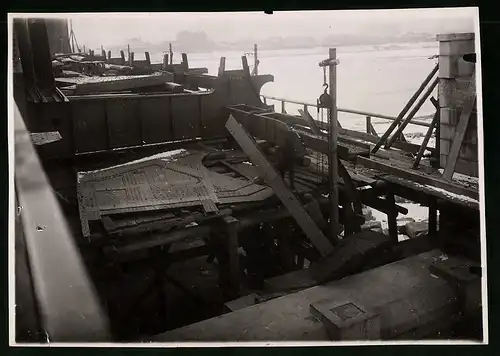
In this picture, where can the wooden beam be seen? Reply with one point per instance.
(433, 218)
(461, 128)
(246, 68)
(392, 216)
(288, 199)
(407, 107)
(434, 123)
(410, 116)
(407, 147)
(417, 177)
(222, 67)
(184, 63)
(269, 129)
(308, 118)
(122, 83)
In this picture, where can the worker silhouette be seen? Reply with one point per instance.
(287, 155)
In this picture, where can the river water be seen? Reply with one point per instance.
(369, 78)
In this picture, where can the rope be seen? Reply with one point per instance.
(320, 156)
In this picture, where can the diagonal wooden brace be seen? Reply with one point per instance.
(279, 187)
(403, 112)
(434, 123)
(463, 123)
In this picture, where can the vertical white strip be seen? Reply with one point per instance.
(10, 150)
(479, 93)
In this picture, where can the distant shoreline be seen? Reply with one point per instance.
(369, 47)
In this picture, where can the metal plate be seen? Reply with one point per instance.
(156, 119)
(89, 120)
(123, 123)
(233, 190)
(158, 183)
(186, 116)
(149, 185)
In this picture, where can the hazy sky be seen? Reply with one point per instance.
(114, 29)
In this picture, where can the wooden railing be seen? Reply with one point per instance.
(368, 115)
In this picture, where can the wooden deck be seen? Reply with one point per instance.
(396, 167)
(405, 293)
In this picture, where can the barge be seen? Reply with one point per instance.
(168, 205)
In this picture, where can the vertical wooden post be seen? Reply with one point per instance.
(165, 61)
(131, 59)
(148, 58)
(170, 52)
(122, 56)
(300, 262)
(433, 218)
(71, 37)
(392, 217)
(222, 67)
(109, 55)
(332, 143)
(185, 63)
(283, 111)
(368, 125)
(255, 60)
(423, 146)
(246, 68)
(435, 162)
(233, 256)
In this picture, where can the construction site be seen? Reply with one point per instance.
(157, 203)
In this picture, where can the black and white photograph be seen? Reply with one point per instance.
(290, 178)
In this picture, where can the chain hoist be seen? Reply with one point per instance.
(325, 101)
(325, 84)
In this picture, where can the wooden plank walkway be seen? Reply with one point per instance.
(394, 290)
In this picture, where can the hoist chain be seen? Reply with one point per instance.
(328, 110)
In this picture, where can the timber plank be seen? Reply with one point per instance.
(418, 177)
(383, 289)
(459, 135)
(278, 185)
(109, 84)
(307, 117)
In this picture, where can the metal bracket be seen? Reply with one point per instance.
(329, 62)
